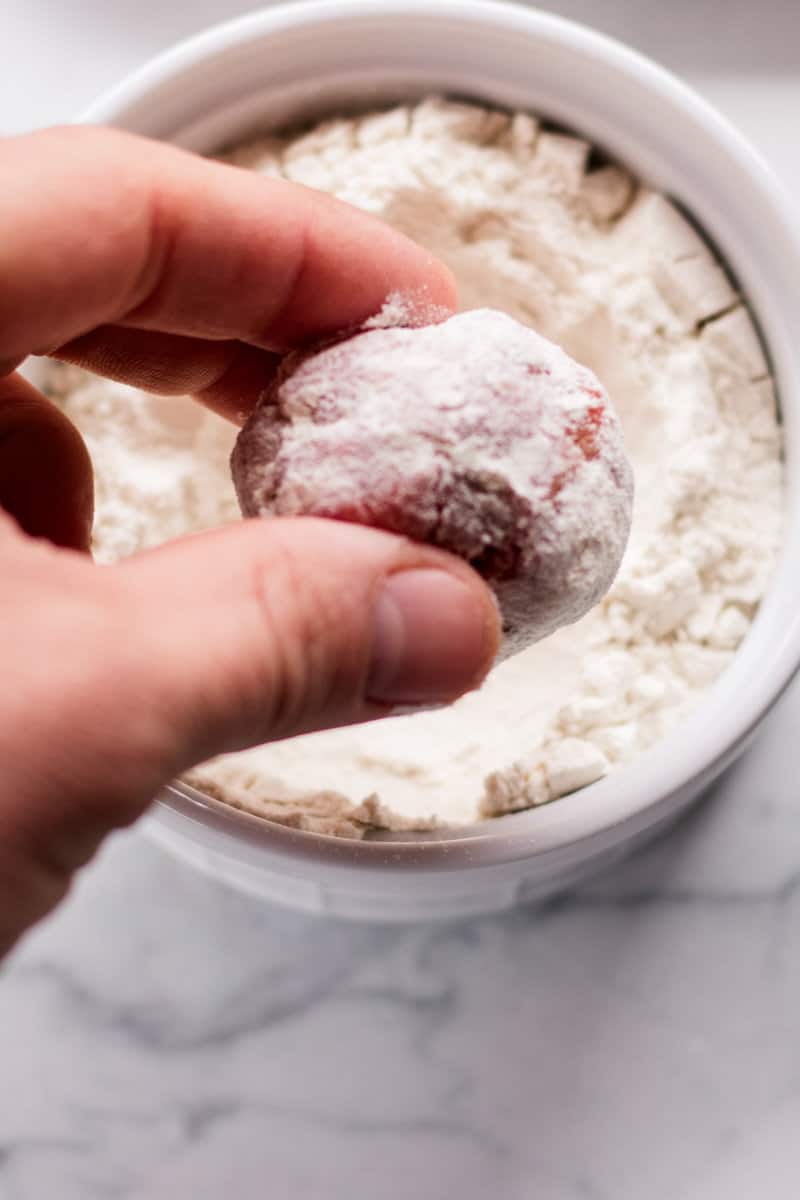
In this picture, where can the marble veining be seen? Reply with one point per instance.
(162, 1038)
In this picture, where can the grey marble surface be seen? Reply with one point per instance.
(162, 1038)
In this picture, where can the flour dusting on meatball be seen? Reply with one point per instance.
(477, 435)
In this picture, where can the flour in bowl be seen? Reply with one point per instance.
(617, 276)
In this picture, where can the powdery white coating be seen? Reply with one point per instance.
(617, 276)
(476, 435)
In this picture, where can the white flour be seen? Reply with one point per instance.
(617, 277)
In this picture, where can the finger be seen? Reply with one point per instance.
(273, 628)
(212, 644)
(227, 377)
(45, 471)
(110, 229)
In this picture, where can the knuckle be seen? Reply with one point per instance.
(314, 659)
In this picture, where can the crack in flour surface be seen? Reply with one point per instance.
(613, 273)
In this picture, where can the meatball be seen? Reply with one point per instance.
(476, 435)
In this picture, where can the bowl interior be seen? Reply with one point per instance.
(298, 62)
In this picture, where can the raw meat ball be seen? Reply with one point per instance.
(476, 435)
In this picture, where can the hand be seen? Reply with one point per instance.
(180, 275)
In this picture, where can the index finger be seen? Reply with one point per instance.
(101, 227)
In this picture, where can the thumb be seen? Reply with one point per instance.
(272, 628)
(128, 675)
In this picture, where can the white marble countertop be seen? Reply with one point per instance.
(164, 1039)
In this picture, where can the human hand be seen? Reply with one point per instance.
(180, 276)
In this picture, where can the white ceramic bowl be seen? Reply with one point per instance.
(307, 59)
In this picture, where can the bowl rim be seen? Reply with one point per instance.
(630, 794)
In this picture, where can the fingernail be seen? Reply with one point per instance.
(434, 639)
